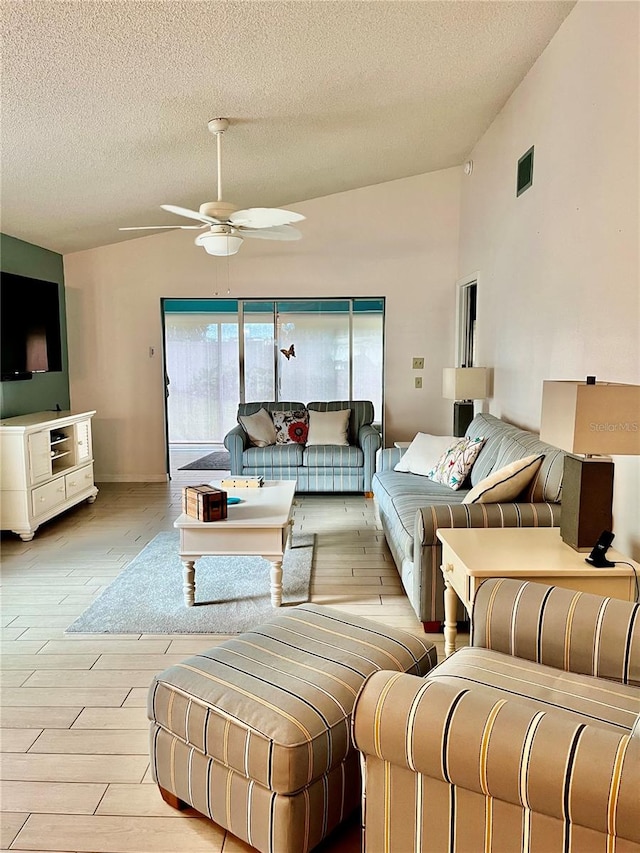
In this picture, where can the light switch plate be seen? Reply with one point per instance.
(418, 381)
(418, 363)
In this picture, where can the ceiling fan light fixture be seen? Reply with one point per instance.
(220, 244)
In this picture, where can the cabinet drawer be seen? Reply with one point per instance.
(78, 481)
(46, 497)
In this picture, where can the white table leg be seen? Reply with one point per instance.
(189, 575)
(276, 583)
(450, 621)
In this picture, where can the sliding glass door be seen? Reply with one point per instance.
(219, 352)
(201, 364)
(319, 333)
(258, 320)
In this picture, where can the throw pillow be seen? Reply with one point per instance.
(329, 427)
(259, 427)
(291, 427)
(506, 483)
(455, 463)
(423, 453)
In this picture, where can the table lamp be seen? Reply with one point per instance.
(464, 385)
(596, 419)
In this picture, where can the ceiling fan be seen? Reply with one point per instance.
(227, 226)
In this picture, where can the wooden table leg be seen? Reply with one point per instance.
(450, 621)
(189, 588)
(276, 583)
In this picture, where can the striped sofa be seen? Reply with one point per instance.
(255, 733)
(321, 468)
(412, 508)
(528, 740)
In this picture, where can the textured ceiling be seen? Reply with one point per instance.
(105, 104)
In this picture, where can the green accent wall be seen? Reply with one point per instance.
(44, 390)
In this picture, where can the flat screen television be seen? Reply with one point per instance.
(30, 338)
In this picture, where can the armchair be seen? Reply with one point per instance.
(528, 740)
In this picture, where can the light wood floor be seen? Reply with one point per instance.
(74, 760)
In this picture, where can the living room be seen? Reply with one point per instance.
(558, 298)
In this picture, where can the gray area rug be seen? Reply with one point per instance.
(232, 593)
(219, 460)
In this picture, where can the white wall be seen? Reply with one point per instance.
(397, 240)
(558, 267)
(559, 276)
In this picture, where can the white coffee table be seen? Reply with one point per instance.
(258, 526)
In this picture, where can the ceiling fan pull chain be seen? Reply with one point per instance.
(219, 141)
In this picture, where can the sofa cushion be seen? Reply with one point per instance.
(259, 428)
(332, 456)
(455, 463)
(275, 455)
(546, 485)
(400, 496)
(580, 698)
(291, 427)
(270, 406)
(329, 427)
(493, 430)
(423, 453)
(505, 483)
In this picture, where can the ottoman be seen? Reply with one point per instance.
(255, 732)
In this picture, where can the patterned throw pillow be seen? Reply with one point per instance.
(455, 463)
(291, 427)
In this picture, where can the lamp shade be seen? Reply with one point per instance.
(600, 419)
(221, 244)
(465, 383)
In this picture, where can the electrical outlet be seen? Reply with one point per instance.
(418, 363)
(418, 381)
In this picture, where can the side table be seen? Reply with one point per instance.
(470, 555)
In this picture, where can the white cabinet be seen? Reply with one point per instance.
(46, 466)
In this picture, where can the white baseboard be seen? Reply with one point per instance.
(132, 478)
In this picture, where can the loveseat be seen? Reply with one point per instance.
(528, 740)
(413, 507)
(318, 467)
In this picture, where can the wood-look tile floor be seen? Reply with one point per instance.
(74, 763)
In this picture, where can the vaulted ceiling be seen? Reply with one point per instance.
(105, 104)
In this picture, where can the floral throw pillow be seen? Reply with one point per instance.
(455, 463)
(291, 427)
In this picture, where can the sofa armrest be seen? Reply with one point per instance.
(541, 761)
(568, 630)
(388, 457)
(236, 440)
(369, 441)
(431, 518)
(369, 438)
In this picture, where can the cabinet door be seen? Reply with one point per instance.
(83, 441)
(39, 456)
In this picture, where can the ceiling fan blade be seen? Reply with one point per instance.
(279, 232)
(190, 214)
(264, 217)
(161, 227)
